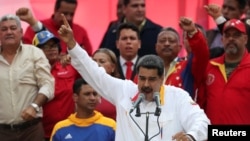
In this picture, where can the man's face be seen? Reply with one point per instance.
(68, 9)
(10, 33)
(128, 44)
(87, 99)
(167, 45)
(234, 42)
(230, 9)
(149, 82)
(135, 11)
(119, 12)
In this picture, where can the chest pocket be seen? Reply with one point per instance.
(25, 73)
(163, 119)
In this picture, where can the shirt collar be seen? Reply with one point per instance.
(140, 26)
(18, 50)
(123, 61)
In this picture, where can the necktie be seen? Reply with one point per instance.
(129, 69)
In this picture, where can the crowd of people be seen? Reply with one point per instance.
(54, 87)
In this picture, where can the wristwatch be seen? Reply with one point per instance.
(190, 137)
(35, 106)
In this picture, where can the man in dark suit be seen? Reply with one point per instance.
(128, 43)
(134, 12)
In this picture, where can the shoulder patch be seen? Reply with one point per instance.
(210, 79)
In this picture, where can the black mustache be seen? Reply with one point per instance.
(146, 89)
(166, 49)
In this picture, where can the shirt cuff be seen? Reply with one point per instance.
(220, 20)
(37, 27)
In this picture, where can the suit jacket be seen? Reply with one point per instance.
(148, 35)
(133, 76)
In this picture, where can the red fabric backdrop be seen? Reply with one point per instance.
(95, 15)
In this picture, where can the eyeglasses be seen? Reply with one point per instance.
(49, 46)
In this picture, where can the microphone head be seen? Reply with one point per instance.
(136, 103)
(157, 98)
(157, 102)
(156, 94)
(140, 97)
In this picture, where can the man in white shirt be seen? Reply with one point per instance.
(138, 106)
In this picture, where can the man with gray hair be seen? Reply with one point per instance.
(26, 84)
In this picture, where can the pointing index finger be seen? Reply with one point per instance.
(65, 22)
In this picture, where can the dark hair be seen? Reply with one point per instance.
(127, 26)
(119, 4)
(58, 3)
(126, 2)
(151, 62)
(242, 3)
(113, 59)
(58, 46)
(172, 30)
(77, 85)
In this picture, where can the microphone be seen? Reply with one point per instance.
(157, 99)
(137, 102)
(157, 102)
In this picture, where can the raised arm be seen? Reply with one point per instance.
(66, 34)
(199, 52)
(214, 11)
(25, 14)
(107, 86)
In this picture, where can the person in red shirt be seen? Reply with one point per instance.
(186, 73)
(226, 94)
(68, 8)
(62, 105)
(64, 74)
